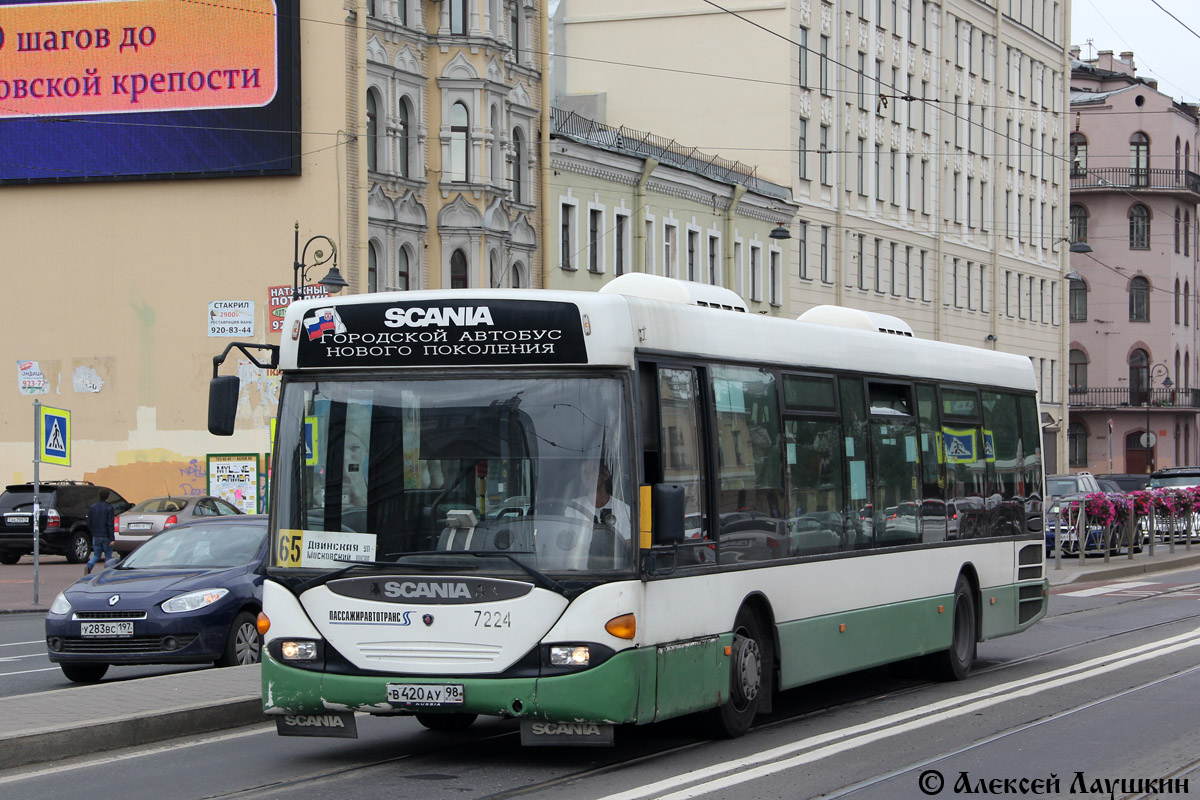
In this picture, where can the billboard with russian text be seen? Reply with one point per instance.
(132, 89)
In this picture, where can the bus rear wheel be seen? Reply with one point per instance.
(747, 679)
(446, 722)
(955, 663)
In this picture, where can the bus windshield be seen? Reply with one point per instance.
(439, 474)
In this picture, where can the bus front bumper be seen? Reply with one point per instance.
(606, 693)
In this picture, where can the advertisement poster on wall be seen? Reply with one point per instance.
(233, 477)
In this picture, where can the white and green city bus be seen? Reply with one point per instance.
(581, 510)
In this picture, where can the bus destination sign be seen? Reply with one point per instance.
(440, 333)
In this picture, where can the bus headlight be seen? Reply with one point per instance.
(298, 651)
(570, 655)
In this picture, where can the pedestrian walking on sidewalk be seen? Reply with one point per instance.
(100, 523)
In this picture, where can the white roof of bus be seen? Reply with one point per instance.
(616, 325)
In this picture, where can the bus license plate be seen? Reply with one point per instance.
(106, 628)
(425, 694)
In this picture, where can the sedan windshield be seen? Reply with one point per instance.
(199, 547)
(455, 475)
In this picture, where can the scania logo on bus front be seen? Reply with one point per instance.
(469, 316)
(426, 590)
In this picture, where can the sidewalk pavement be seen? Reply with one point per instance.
(76, 721)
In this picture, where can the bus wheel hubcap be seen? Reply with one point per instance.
(747, 665)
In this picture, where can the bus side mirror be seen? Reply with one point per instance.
(222, 404)
(667, 501)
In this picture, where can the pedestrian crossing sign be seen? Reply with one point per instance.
(54, 436)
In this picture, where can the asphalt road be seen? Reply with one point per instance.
(1106, 689)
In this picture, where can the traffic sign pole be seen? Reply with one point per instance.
(37, 460)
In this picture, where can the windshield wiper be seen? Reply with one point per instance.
(540, 578)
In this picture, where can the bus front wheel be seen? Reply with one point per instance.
(747, 679)
(955, 664)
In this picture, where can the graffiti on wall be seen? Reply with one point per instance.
(141, 474)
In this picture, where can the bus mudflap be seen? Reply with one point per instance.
(330, 724)
(544, 733)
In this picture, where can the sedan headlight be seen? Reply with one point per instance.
(193, 600)
(61, 604)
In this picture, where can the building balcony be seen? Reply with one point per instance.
(1124, 397)
(1159, 181)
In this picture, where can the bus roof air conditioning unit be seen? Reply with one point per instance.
(656, 287)
(842, 317)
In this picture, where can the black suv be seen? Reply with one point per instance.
(63, 507)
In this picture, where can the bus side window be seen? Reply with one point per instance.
(750, 498)
(860, 516)
(682, 443)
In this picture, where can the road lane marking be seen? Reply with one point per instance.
(14, 644)
(27, 671)
(717, 777)
(1110, 587)
(5, 659)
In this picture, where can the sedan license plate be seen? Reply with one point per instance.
(425, 694)
(117, 629)
(140, 526)
(17, 519)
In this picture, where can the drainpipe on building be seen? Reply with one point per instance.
(738, 192)
(544, 146)
(639, 203)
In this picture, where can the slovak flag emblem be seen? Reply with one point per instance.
(323, 321)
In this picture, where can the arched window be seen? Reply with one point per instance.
(1176, 158)
(403, 132)
(372, 267)
(1139, 227)
(1139, 159)
(459, 143)
(1177, 369)
(1077, 377)
(1187, 370)
(518, 166)
(1078, 154)
(1139, 300)
(402, 270)
(372, 132)
(1177, 301)
(1079, 224)
(458, 17)
(1178, 221)
(1187, 302)
(1078, 300)
(518, 275)
(1077, 436)
(458, 270)
(1187, 231)
(1139, 377)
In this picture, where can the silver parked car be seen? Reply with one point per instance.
(159, 513)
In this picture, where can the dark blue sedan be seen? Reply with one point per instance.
(190, 595)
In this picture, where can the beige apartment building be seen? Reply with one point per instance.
(924, 143)
(622, 200)
(407, 136)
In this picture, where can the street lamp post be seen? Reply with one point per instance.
(1167, 384)
(333, 280)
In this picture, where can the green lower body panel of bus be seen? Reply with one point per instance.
(608, 692)
(822, 647)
